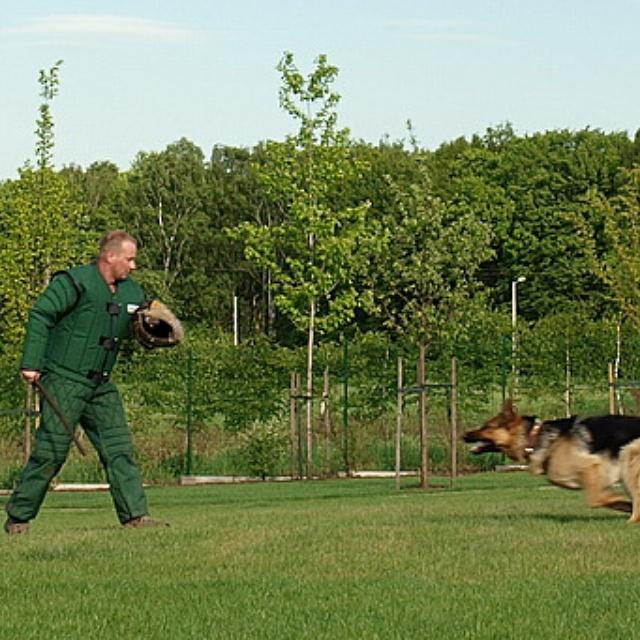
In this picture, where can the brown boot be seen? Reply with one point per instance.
(144, 521)
(15, 528)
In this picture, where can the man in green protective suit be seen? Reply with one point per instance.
(72, 340)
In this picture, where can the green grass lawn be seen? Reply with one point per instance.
(500, 556)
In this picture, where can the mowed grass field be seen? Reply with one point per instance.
(497, 556)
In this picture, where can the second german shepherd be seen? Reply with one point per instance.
(576, 453)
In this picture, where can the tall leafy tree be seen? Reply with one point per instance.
(41, 229)
(315, 249)
(531, 190)
(99, 191)
(217, 272)
(427, 274)
(49, 84)
(616, 257)
(164, 209)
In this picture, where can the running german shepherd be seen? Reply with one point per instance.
(576, 453)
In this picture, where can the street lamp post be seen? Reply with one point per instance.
(514, 316)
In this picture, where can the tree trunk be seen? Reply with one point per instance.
(311, 338)
(422, 400)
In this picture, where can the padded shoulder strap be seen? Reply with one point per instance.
(76, 285)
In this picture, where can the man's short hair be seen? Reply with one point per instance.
(114, 240)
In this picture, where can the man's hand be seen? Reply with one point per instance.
(30, 375)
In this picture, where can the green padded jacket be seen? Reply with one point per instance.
(76, 325)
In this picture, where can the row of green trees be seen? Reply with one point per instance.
(320, 236)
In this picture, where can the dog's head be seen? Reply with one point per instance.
(506, 432)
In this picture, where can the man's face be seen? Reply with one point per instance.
(123, 262)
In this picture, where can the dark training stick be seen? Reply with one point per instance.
(56, 409)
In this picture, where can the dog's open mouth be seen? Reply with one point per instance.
(481, 446)
(485, 446)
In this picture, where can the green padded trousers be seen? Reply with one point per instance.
(99, 410)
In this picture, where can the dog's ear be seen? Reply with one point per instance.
(508, 409)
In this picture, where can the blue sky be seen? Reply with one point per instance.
(140, 74)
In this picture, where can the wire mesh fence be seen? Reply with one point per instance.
(189, 417)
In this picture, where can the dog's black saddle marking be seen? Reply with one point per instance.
(611, 433)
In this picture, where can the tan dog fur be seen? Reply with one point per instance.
(565, 457)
